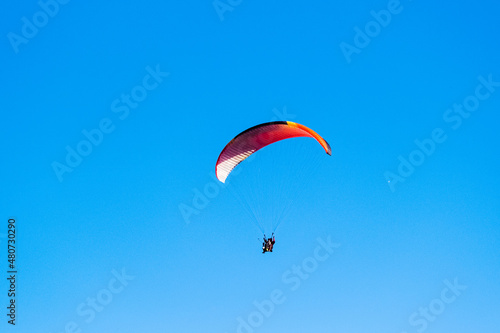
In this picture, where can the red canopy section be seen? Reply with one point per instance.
(248, 142)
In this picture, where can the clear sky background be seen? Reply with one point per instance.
(103, 245)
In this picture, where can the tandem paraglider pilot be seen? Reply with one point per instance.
(267, 245)
(252, 140)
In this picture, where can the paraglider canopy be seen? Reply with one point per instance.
(249, 141)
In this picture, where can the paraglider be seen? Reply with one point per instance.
(255, 138)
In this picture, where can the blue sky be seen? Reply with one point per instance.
(396, 232)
